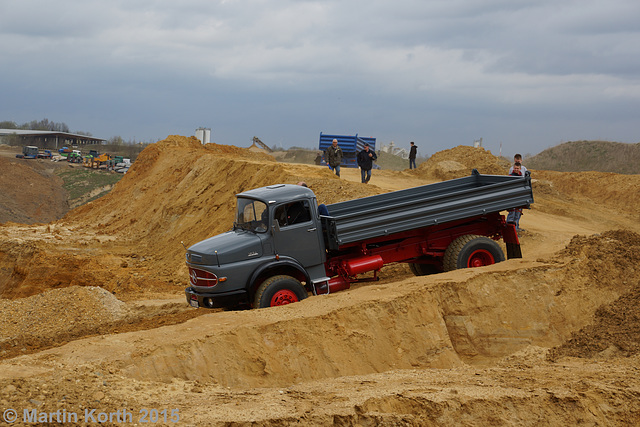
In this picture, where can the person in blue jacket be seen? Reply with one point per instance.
(366, 157)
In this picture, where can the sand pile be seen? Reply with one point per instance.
(39, 200)
(619, 193)
(610, 258)
(460, 161)
(42, 316)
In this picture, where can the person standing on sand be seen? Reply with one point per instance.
(365, 161)
(333, 155)
(412, 156)
(514, 214)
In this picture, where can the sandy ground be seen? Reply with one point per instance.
(94, 324)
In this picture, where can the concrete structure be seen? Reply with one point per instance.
(204, 135)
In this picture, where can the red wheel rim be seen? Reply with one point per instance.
(480, 258)
(285, 296)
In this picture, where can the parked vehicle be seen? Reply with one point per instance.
(74, 157)
(122, 167)
(350, 145)
(281, 247)
(65, 151)
(45, 154)
(101, 161)
(29, 152)
(118, 162)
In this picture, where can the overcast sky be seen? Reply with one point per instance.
(527, 74)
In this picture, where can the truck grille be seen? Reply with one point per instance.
(202, 278)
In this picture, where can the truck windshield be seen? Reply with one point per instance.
(251, 215)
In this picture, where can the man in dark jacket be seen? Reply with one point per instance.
(365, 161)
(333, 156)
(412, 156)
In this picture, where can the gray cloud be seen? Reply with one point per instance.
(527, 74)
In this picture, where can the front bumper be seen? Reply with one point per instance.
(216, 300)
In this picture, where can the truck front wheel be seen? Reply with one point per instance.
(472, 251)
(279, 290)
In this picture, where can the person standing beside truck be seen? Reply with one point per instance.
(412, 155)
(365, 161)
(514, 214)
(334, 155)
(517, 158)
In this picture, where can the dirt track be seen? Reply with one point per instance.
(551, 338)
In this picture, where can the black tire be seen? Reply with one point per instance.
(279, 290)
(472, 251)
(423, 269)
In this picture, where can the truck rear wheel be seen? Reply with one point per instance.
(472, 251)
(279, 290)
(422, 269)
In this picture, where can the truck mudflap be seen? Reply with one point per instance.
(215, 300)
(510, 237)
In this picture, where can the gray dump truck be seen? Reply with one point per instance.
(283, 246)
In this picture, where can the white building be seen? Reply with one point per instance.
(392, 149)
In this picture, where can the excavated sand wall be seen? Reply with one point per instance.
(369, 337)
(430, 322)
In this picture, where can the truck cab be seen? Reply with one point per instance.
(276, 233)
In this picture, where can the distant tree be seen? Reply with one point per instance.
(8, 125)
(79, 132)
(45, 124)
(115, 140)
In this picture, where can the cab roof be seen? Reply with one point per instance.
(278, 193)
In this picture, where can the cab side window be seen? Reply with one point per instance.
(293, 213)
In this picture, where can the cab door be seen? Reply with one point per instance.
(298, 235)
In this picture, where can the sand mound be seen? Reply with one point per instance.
(612, 258)
(56, 313)
(616, 192)
(460, 161)
(39, 201)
